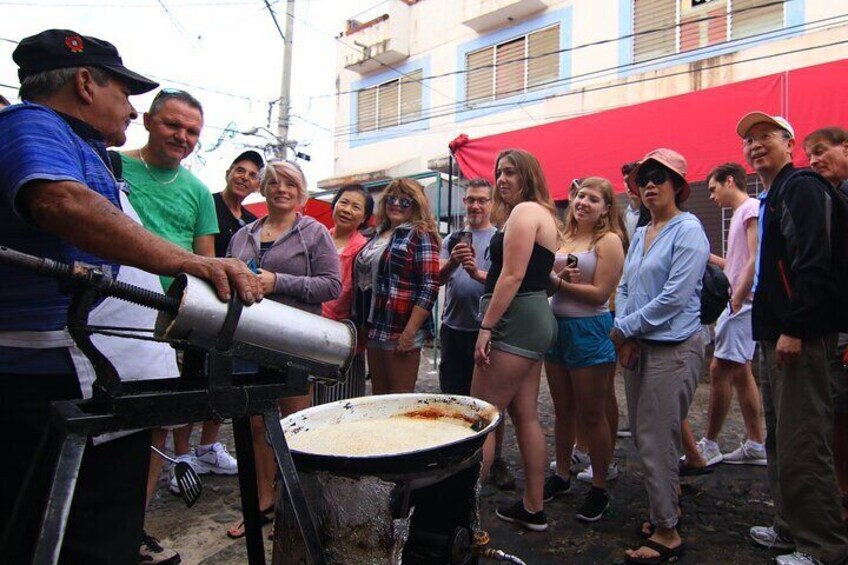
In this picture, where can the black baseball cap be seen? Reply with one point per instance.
(63, 48)
(251, 156)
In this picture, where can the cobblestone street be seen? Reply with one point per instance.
(718, 507)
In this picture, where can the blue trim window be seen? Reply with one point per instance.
(513, 67)
(389, 104)
(668, 27)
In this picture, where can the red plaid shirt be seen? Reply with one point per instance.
(408, 276)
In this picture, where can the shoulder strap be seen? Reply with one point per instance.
(116, 164)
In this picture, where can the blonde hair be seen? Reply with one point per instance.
(534, 188)
(422, 217)
(610, 222)
(288, 169)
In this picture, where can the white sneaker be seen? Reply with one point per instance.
(172, 478)
(587, 476)
(766, 536)
(747, 454)
(797, 558)
(217, 460)
(579, 460)
(709, 451)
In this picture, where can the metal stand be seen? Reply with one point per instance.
(118, 406)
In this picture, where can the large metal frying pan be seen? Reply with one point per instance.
(480, 416)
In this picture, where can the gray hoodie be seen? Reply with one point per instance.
(304, 259)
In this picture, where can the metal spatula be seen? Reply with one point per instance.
(187, 479)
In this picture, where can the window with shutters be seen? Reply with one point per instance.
(668, 27)
(513, 67)
(389, 104)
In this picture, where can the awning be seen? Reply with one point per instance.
(701, 125)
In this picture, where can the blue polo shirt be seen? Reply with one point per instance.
(39, 144)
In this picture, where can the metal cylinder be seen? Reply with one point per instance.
(269, 325)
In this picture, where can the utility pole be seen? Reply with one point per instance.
(285, 87)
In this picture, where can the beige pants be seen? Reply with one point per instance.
(659, 391)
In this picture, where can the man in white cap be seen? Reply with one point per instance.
(793, 321)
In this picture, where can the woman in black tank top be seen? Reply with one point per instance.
(518, 326)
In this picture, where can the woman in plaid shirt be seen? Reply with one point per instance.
(405, 286)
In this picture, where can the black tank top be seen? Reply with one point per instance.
(538, 269)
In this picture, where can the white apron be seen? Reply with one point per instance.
(133, 359)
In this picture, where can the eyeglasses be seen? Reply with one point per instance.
(471, 200)
(401, 201)
(762, 138)
(655, 175)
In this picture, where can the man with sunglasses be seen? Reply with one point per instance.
(62, 201)
(464, 263)
(794, 323)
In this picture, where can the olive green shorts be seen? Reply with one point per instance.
(527, 328)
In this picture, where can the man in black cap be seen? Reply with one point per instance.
(60, 200)
(242, 181)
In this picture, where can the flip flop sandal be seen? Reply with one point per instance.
(646, 529)
(265, 517)
(666, 554)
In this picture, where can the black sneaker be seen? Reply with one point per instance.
(596, 503)
(555, 486)
(151, 551)
(501, 475)
(517, 514)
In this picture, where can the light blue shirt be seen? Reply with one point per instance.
(659, 297)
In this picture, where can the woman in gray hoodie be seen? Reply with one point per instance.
(298, 265)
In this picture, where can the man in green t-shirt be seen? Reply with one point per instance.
(177, 206)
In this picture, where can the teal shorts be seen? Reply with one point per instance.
(583, 342)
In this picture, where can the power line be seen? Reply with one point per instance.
(201, 4)
(585, 45)
(276, 23)
(381, 63)
(449, 127)
(433, 111)
(176, 23)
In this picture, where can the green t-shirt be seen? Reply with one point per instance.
(179, 211)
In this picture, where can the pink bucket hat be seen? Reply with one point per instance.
(669, 159)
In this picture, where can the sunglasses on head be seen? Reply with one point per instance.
(169, 93)
(401, 201)
(656, 175)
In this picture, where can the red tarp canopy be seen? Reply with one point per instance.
(700, 125)
(318, 209)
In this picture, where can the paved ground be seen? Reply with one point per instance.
(718, 508)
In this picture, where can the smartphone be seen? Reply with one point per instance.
(571, 261)
(467, 238)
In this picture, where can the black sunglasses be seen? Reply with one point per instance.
(656, 175)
